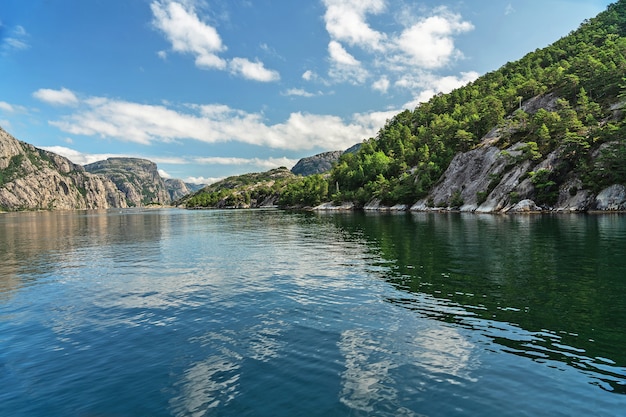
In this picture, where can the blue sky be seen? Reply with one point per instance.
(212, 88)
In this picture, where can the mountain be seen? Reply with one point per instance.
(34, 179)
(177, 189)
(254, 190)
(545, 132)
(317, 164)
(137, 178)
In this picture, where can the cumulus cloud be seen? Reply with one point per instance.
(382, 84)
(346, 21)
(420, 43)
(62, 97)
(429, 43)
(188, 34)
(345, 67)
(252, 70)
(212, 123)
(429, 85)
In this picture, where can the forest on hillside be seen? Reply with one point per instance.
(583, 72)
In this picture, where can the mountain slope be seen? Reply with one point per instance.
(137, 178)
(262, 189)
(316, 164)
(550, 124)
(33, 179)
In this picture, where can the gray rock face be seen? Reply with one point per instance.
(317, 164)
(487, 180)
(33, 179)
(176, 188)
(612, 198)
(138, 179)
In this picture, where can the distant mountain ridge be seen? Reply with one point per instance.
(138, 179)
(35, 179)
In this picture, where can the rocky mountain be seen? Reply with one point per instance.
(544, 133)
(138, 179)
(34, 179)
(177, 189)
(317, 164)
(488, 179)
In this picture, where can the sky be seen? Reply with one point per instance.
(213, 88)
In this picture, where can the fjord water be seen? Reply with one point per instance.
(268, 313)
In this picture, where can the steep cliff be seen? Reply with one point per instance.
(138, 179)
(32, 179)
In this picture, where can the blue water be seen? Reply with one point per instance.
(269, 313)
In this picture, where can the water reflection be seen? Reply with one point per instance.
(73, 240)
(271, 313)
(554, 283)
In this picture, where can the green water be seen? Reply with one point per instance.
(271, 313)
(563, 276)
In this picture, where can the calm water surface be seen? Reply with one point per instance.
(267, 313)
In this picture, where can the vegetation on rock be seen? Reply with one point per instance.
(564, 98)
(248, 190)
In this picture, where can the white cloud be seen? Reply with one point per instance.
(12, 108)
(298, 92)
(344, 67)
(188, 34)
(429, 43)
(340, 56)
(428, 85)
(214, 123)
(420, 43)
(62, 97)
(382, 84)
(78, 157)
(4, 106)
(346, 21)
(202, 180)
(82, 158)
(253, 70)
(256, 162)
(164, 174)
(509, 10)
(5, 123)
(309, 75)
(16, 40)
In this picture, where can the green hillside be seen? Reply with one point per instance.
(579, 85)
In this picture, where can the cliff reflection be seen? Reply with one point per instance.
(41, 244)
